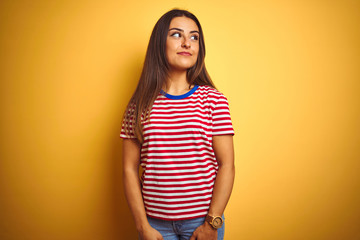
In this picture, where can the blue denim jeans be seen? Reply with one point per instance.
(181, 229)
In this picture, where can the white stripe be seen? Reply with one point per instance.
(180, 170)
(197, 133)
(174, 136)
(178, 154)
(224, 122)
(169, 200)
(190, 104)
(163, 110)
(177, 211)
(177, 205)
(218, 128)
(181, 194)
(197, 124)
(183, 118)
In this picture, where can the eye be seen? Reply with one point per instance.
(176, 34)
(194, 37)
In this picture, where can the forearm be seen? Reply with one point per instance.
(221, 194)
(134, 198)
(222, 189)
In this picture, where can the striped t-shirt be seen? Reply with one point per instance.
(177, 156)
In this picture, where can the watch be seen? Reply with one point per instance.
(215, 221)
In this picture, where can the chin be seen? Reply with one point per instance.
(183, 68)
(186, 66)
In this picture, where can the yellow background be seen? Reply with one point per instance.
(290, 70)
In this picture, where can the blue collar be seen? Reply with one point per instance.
(176, 97)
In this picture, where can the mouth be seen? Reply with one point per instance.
(184, 53)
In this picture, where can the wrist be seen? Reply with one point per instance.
(210, 213)
(208, 226)
(215, 222)
(142, 227)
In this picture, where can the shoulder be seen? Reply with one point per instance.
(210, 92)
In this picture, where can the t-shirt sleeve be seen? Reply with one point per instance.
(222, 124)
(127, 128)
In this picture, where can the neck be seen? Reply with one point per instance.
(177, 83)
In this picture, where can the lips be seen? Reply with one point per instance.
(184, 53)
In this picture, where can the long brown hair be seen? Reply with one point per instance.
(156, 71)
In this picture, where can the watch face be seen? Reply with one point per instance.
(217, 222)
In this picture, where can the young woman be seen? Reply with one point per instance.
(177, 126)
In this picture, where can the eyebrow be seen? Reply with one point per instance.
(179, 29)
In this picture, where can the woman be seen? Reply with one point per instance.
(177, 126)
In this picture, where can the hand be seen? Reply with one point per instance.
(204, 232)
(150, 234)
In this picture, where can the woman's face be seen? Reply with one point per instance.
(182, 44)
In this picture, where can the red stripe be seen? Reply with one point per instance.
(178, 144)
(179, 190)
(146, 178)
(223, 118)
(146, 151)
(179, 167)
(181, 218)
(221, 108)
(192, 138)
(222, 130)
(177, 197)
(180, 156)
(196, 102)
(204, 117)
(176, 208)
(177, 122)
(184, 107)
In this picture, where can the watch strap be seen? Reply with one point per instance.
(210, 220)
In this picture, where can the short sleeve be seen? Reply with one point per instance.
(221, 119)
(128, 126)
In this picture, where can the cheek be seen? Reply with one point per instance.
(167, 51)
(196, 49)
(170, 48)
(196, 55)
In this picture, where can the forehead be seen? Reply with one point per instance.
(184, 23)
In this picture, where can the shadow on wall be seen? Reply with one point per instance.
(123, 220)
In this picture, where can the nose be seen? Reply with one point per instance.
(185, 43)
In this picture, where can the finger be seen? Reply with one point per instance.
(193, 237)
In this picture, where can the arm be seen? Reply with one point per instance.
(132, 187)
(224, 152)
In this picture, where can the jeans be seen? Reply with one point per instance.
(181, 229)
